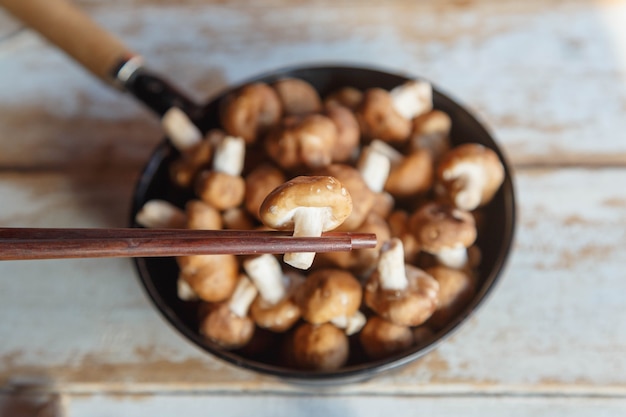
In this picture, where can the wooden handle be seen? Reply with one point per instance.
(72, 31)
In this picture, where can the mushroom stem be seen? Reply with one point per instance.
(455, 258)
(374, 167)
(469, 179)
(180, 129)
(161, 214)
(308, 222)
(350, 324)
(229, 155)
(184, 291)
(267, 275)
(412, 98)
(389, 151)
(244, 295)
(391, 267)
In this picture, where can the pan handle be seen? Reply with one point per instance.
(100, 52)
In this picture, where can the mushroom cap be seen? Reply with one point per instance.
(358, 190)
(324, 192)
(227, 329)
(471, 174)
(379, 119)
(320, 347)
(259, 183)
(251, 111)
(201, 215)
(438, 227)
(281, 316)
(349, 97)
(297, 141)
(297, 96)
(456, 289)
(348, 133)
(381, 338)
(220, 190)
(212, 277)
(328, 293)
(413, 175)
(409, 307)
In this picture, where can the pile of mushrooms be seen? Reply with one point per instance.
(374, 161)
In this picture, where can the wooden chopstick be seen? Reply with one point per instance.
(54, 243)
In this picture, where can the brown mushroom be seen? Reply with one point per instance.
(409, 175)
(183, 170)
(456, 289)
(430, 132)
(471, 174)
(399, 293)
(259, 183)
(212, 277)
(306, 141)
(308, 205)
(384, 204)
(200, 215)
(444, 231)
(237, 218)
(321, 347)
(399, 227)
(381, 338)
(228, 324)
(379, 119)
(274, 309)
(251, 111)
(327, 294)
(348, 133)
(358, 190)
(223, 187)
(298, 97)
(349, 97)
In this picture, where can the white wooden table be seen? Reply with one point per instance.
(547, 77)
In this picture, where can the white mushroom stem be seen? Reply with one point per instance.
(394, 155)
(242, 298)
(184, 291)
(308, 222)
(412, 98)
(374, 167)
(455, 258)
(229, 156)
(180, 129)
(391, 270)
(352, 324)
(156, 214)
(470, 179)
(267, 275)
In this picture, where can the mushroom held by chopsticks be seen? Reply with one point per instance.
(470, 174)
(274, 309)
(400, 293)
(321, 347)
(228, 324)
(331, 295)
(223, 187)
(308, 205)
(381, 338)
(444, 231)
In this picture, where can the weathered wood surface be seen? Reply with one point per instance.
(549, 78)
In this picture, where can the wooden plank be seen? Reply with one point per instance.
(85, 326)
(315, 405)
(548, 78)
